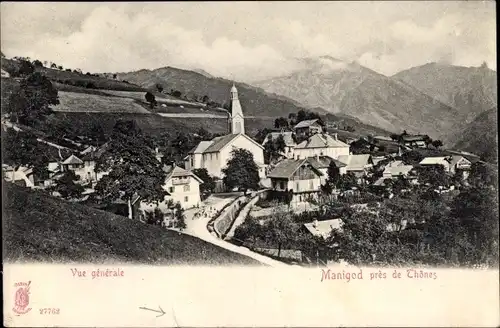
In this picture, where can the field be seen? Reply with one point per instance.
(155, 124)
(41, 228)
(80, 102)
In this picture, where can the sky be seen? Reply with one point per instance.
(249, 41)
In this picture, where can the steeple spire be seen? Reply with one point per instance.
(237, 119)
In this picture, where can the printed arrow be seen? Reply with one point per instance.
(160, 311)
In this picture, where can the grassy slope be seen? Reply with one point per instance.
(38, 227)
(481, 136)
(153, 124)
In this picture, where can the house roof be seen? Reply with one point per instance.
(321, 140)
(177, 171)
(355, 162)
(456, 159)
(72, 160)
(323, 228)
(398, 170)
(434, 161)
(94, 153)
(305, 123)
(287, 137)
(322, 162)
(287, 167)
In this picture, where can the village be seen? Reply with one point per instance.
(258, 192)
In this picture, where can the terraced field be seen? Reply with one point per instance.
(91, 103)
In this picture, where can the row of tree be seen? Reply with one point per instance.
(417, 228)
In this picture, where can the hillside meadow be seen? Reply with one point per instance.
(41, 228)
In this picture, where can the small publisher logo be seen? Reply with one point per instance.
(22, 298)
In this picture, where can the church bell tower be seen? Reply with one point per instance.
(237, 121)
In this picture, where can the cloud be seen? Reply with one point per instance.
(249, 41)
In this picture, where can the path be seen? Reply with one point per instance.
(198, 227)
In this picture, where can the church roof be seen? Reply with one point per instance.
(219, 143)
(216, 144)
(200, 148)
(321, 140)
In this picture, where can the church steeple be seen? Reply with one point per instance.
(237, 118)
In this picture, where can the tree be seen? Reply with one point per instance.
(114, 76)
(412, 157)
(205, 99)
(177, 93)
(280, 229)
(26, 68)
(36, 63)
(395, 136)
(346, 181)
(159, 87)
(483, 175)
(96, 133)
(281, 122)
(180, 219)
(67, 187)
(437, 143)
(53, 65)
(241, 171)
(154, 218)
(250, 229)
(32, 101)
(280, 144)
(60, 67)
(362, 238)
(433, 175)
(293, 118)
(208, 185)
(333, 174)
(476, 209)
(132, 166)
(21, 148)
(150, 98)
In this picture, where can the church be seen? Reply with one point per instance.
(214, 155)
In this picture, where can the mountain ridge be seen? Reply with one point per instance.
(352, 89)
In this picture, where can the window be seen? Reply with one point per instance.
(171, 189)
(282, 185)
(186, 198)
(311, 185)
(186, 188)
(297, 187)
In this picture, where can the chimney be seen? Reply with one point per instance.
(315, 223)
(317, 157)
(335, 136)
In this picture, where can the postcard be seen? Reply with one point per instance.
(246, 164)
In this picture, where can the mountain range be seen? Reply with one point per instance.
(412, 100)
(470, 90)
(256, 102)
